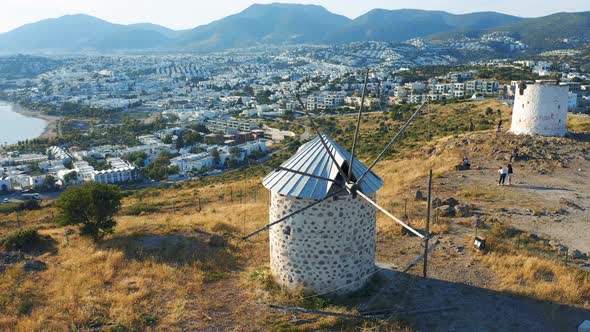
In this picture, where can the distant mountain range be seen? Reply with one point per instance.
(279, 24)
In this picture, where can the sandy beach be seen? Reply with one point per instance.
(51, 128)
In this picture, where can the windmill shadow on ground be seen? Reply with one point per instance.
(475, 308)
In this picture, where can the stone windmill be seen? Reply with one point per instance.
(540, 109)
(323, 216)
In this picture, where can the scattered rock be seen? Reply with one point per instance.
(577, 254)
(445, 211)
(554, 244)
(216, 241)
(450, 201)
(533, 236)
(419, 196)
(462, 210)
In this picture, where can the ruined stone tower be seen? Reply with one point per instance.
(330, 246)
(540, 109)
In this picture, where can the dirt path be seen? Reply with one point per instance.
(550, 196)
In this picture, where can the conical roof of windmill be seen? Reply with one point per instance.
(313, 159)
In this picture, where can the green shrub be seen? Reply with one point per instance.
(30, 205)
(9, 208)
(20, 239)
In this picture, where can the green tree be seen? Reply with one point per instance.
(138, 158)
(69, 164)
(215, 155)
(234, 151)
(158, 169)
(92, 206)
(71, 176)
(179, 142)
(167, 139)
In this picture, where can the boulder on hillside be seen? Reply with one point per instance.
(446, 211)
(450, 201)
(462, 210)
(577, 254)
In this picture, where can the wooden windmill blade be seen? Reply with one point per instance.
(358, 126)
(317, 131)
(387, 213)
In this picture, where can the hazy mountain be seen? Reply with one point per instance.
(404, 24)
(266, 24)
(561, 30)
(157, 28)
(79, 32)
(548, 32)
(278, 24)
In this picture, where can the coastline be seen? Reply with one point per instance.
(50, 128)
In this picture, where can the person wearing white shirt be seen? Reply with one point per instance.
(502, 171)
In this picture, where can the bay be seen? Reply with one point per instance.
(16, 127)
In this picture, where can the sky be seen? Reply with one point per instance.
(185, 14)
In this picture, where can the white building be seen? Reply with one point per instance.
(58, 153)
(325, 100)
(5, 184)
(120, 172)
(540, 108)
(85, 171)
(193, 161)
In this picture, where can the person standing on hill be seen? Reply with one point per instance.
(510, 174)
(502, 172)
(499, 130)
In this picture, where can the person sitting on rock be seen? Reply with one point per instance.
(466, 162)
(515, 154)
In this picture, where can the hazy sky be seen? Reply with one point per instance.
(184, 14)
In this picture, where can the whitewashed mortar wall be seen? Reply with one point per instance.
(329, 246)
(540, 110)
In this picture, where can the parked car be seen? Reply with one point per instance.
(6, 200)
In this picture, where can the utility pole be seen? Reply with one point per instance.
(425, 270)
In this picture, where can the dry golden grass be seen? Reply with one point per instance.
(85, 286)
(156, 270)
(540, 278)
(578, 124)
(153, 270)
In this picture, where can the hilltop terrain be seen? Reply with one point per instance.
(163, 269)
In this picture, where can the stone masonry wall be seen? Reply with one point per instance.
(329, 246)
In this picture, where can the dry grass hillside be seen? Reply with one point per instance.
(158, 271)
